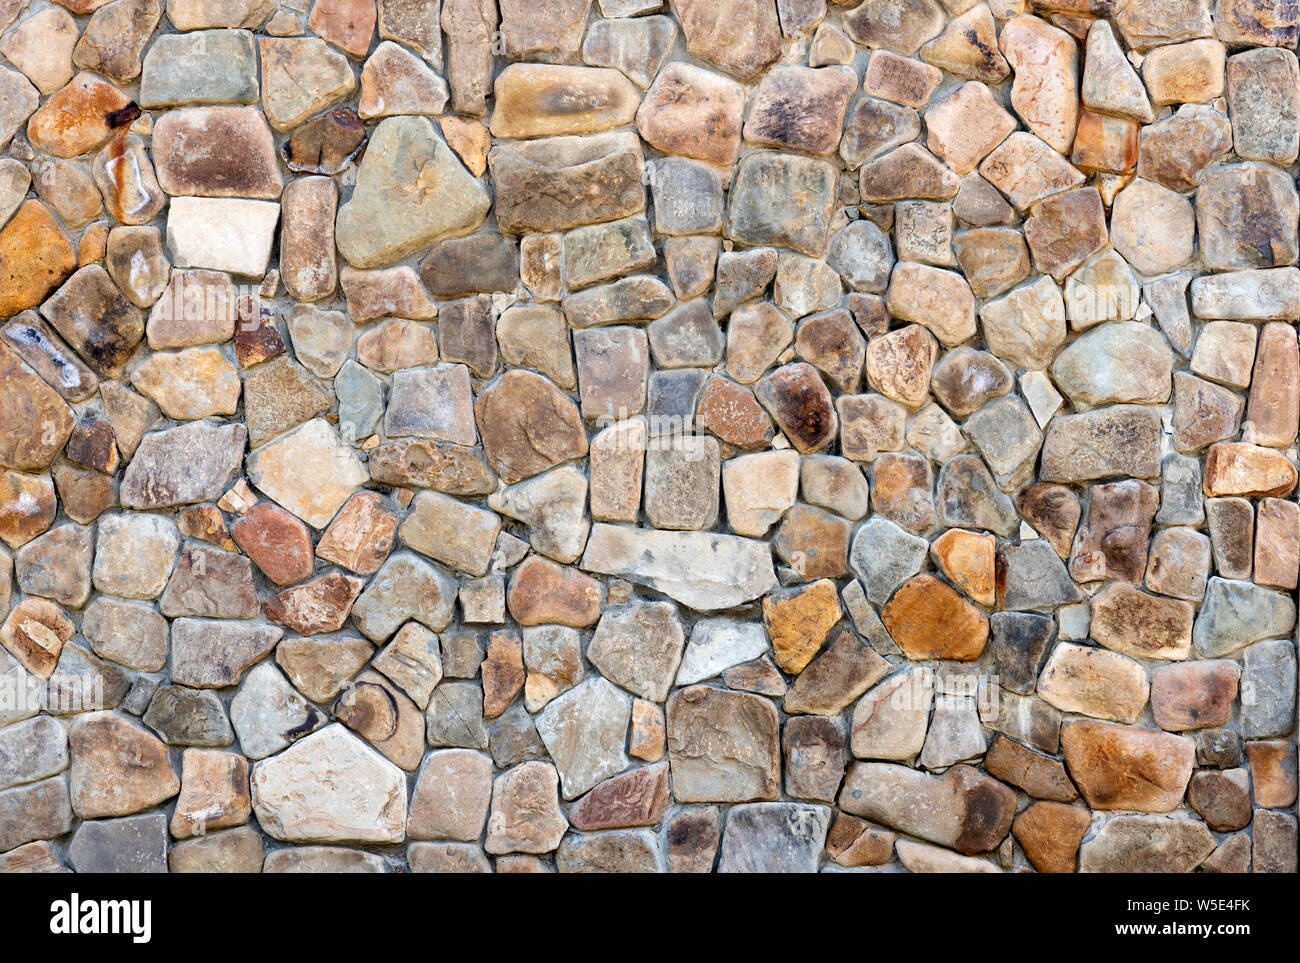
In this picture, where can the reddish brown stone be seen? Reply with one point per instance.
(1272, 773)
(27, 507)
(1194, 695)
(930, 620)
(216, 152)
(256, 337)
(800, 404)
(34, 421)
(326, 144)
(636, 798)
(84, 493)
(502, 671)
(276, 541)
(35, 633)
(1065, 230)
(205, 522)
(35, 257)
(1237, 468)
(903, 491)
(1124, 767)
(1050, 834)
(732, 413)
(528, 425)
(1105, 143)
(1221, 798)
(321, 605)
(542, 591)
(80, 117)
(1054, 511)
(361, 535)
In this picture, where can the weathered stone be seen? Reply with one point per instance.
(1031, 576)
(722, 746)
(1120, 767)
(1020, 641)
(1138, 624)
(1045, 91)
(1179, 563)
(930, 620)
(451, 796)
(962, 808)
(1135, 844)
(1038, 775)
(395, 81)
(1264, 295)
(637, 47)
(1245, 213)
(909, 171)
(637, 798)
(117, 767)
(781, 199)
(1117, 440)
(1050, 834)
(330, 787)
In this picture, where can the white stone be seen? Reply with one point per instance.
(222, 233)
(718, 644)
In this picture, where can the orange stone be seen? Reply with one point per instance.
(903, 491)
(35, 258)
(798, 621)
(1050, 834)
(1237, 468)
(855, 842)
(543, 592)
(80, 117)
(968, 558)
(1124, 767)
(1272, 772)
(930, 620)
(1105, 143)
(648, 735)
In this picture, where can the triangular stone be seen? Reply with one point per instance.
(969, 48)
(1110, 84)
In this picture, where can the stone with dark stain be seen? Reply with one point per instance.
(799, 402)
(326, 144)
(81, 117)
(1125, 767)
(34, 421)
(96, 319)
(33, 340)
(1054, 511)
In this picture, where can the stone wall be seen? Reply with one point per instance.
(724, 435)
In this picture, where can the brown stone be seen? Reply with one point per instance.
(528, 426)
(214, 793)
(205, 522)
(1203, 413)
(647, 737)
(425, 463)
(693, 112)
(542, 591)
(800, 108)
(1112, 542)
(35, 257)
(1105, 143)
(1050, 834)
(1273, 411)
(800, 404)
(835, 678)
(1123, 767)
(722, 747)
(1249, 470)
(361, 534)
(903, 491)
(813, 542)
(1194, 695)
(1272, 773)
(1176, 151)
(277, 542)
(256, 337)
(80, 117)
(636, 798)
(326, 144)
(96, 319)
(83, 492)
(900, 79)
(117, 767)
(379, 712)
(1277, 543)
(1038, 775)
(798, 621)
(502, 671)
(321, 605)
(216, 152)
(1136, 623)
(27, 507)
(930, 620)
(35, 633)
(855, 842)
(1222, 798)
(711, 35)
(1065, 230)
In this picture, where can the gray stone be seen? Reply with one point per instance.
(136, 844)
(1236, 614)
(269, 714)
(203, 67)
(1034, 577)
(585, 730)
(1268, 689)
(405, 588)
(455, 717)
(884, 556)
(32, 750)
(774, 838)
(189, 717)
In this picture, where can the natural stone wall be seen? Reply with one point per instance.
(721, 435)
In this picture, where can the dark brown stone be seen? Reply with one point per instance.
(1054, 511)
(528, 425)
(502, 672)
(326, 144)
(799, 402)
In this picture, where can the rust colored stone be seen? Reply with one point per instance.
(502, 672)
(1124, 767)
(636, 798)
(801, 405)
(1194, 695)
(1237, 468)
(542, 591)
(732, 413)
(798, 621)
(1054, 511)
(34, 421)
(81, 117)
(277, 542)
(361, 535)
(326, 144)
(321, 605)
(1050, 834)
(35, 258)
(205, 522)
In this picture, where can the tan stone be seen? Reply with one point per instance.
(538, 100)
(798, 621)
(1145, 626)
(1245, 469)
(35, 257)
(117, 767)
(966, 125)
(1045, 90)
(1123, 767)
(80, 117)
